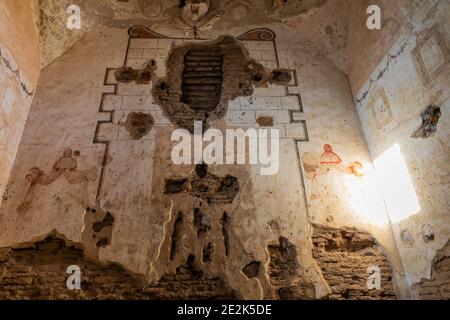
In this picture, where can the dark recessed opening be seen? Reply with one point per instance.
(202, 78)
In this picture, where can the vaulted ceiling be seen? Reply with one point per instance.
(322, 24)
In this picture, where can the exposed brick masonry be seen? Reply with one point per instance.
(344, 256)
(39, 272)
(438, 286)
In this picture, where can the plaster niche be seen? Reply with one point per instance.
(194, 11)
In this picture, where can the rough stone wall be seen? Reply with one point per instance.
(38, 271)
(438, 286)
(344, 256)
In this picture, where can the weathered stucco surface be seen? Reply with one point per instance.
(94, 177)
(19, 73)
(404, 79)
(135, 170)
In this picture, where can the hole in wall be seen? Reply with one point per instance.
(201, 222)
(203, 78)
(127, 74)
(285, 273)
(207, 253)
(281, 77)
(265, 121)
(204, 185)
(252, 269)
(98, 229)
(176, 235)
(107, 221)
(175, 185)
(430, 119)
(139, 124)
(225, 222)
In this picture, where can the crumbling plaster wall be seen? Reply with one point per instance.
(19, 73)
(323, 23)
(269, 207)
(398, 72)
(335, 199)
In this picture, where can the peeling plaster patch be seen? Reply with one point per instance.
(252, 269)
(225, 222)
(430, 118)
(201, 222)
(207, 253)
(427, 232)
(175, 185)
(139, 124)
(285, 273)
(406, 237)
(281, 77)
(344, 256)
(127, 74)
(203, 78)
(176, 235)
(265, 121)
(97, 231)
(205, 186)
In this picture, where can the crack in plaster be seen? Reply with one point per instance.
(16, 73)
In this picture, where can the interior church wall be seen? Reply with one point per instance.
(317, 110)
(94, 175)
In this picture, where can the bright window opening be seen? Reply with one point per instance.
(396, 184)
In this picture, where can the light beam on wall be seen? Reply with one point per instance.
(396, 184)
(365, 197)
